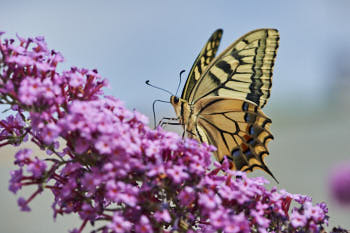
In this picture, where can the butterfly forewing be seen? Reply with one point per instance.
(204, 58)
(242, 71)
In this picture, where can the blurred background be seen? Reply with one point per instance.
(133, 41)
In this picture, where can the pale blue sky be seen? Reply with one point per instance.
(132, 41)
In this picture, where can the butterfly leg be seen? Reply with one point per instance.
(169, 123)
(183, 134)
(165, 123)
(164, 119)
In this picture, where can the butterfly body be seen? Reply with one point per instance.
(223, 96)
(187, 115)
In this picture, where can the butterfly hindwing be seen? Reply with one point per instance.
(239, 130)
(242, 71)
(204, 58)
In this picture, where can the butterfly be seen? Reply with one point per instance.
(223, 96)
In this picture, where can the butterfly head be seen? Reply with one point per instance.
(174, 100)
(178, 105)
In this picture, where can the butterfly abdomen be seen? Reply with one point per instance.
(184, 112)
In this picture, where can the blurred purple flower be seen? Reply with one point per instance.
(119, 224)
(37, 167)
(88, 212)
(163, 216)
(23, 157)
(15, 181)
(187, 196)
(23, 204)
(177, 174)
(340, 183)
(297, 219)
(144, 226)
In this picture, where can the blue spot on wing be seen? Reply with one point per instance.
(251, 130)
(236, 153)
(245, 106)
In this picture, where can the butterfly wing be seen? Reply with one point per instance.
(204, 58)
(242, 71)
(239, 130)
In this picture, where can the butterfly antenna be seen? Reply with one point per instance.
(148, 83)
(178, 86)
(154, 112)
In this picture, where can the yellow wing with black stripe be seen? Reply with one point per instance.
(238, 129)
(204, 58)
(242, 71)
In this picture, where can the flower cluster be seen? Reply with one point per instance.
(104, 163)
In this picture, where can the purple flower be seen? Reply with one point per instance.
(237, 223)
(129, 198)
(138, 117)
(104, 145)
(218, 218)
(15, 181)
(74, 231)
(114, 190)
(313, 212)
(340, 184)
(81, 145)
(50, 133)
(152, 149)
(162, 216)
(156, 171)
(20, 60)
(70, 169)
(259, 216)
(76, 79)
(41, 44)
(57, 58)
(187, 196)
(23, 204)
(23, 157)
(13, 124)
(297, 219)
(119, 224)
(209, 200)
(177, 174)
(29, 90)
(50, 89)
(323, 206)
(144, 226)
(37, 167)
(91, 181)
(88, 212)
(301, 199)
(67, 190)
(197, 167)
